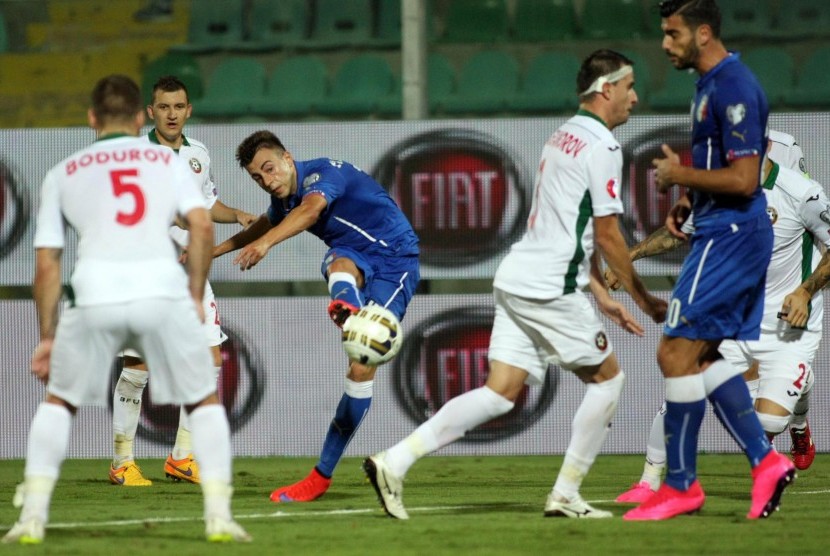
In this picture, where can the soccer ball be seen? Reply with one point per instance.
(372, 336)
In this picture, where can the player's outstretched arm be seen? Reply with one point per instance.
(615, 252)
(252, 233)
(660, 241)
(223, 214)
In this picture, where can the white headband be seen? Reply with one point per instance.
(613, 77)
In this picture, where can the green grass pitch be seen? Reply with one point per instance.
(458, 505)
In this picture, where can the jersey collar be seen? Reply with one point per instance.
(154, 139)
(709, 75)
(109, 136)
(769, 183)
(589, 114)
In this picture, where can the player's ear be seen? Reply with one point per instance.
(150, 112)
(188, 111)
(91, 119)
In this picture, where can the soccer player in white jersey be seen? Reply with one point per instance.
(120, 195)
(542, 315)
(169, 110)
(778, 366)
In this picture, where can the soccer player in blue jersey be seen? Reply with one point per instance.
(720, 291)
(372, 258)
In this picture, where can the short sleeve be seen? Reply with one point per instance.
(738, 106)
(50, 229)
(328, 182)
(188, 196)
(815, 213)
(604, 165)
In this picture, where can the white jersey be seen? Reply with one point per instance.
(800, 215)
(578, 178)
(195, 153)
(119, 194)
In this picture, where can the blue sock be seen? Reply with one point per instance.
(343, 287)
(685, 407)
(350, 413)
(733, 407)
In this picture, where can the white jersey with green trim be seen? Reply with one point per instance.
(800, 215)
(196, 155)
(120, 195)
(579, 178)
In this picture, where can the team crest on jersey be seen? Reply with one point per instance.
(736, 113)
(773, 215)
(601, 341)
(195, 165)
(311, 180)
(613, 187)
(702, 108)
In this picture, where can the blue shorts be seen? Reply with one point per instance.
(720, 291)
(387, 281)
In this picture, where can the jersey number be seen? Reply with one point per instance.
(121, 185)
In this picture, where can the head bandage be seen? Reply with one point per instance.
(613, 77)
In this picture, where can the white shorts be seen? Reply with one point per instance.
(166, 332)
(784, 362)
(212, 326)
(531, 334)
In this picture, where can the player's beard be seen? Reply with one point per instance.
(688, 58)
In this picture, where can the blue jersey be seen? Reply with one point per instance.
(360, 214)
(729, 121)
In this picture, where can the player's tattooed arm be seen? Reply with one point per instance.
(796, 306)
(660, 241)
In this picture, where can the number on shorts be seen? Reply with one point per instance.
(121, 186)
(674, 313)
(216, 313)
(799, 382)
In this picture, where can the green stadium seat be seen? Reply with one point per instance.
(548, 84)
(746, 19)
(4, 36)
(643, 81)
(775, 70)
(387, 28)
(180, 64)
(812, 87)
(276, 24)
(485, 83)
(338, 23)
(213, 26)
(232, 86)
(544, 20)
(440, 85)
(296, 87)
(613, 19)
(676, 94)
(358, 86)
(802, 19)
(483, 21)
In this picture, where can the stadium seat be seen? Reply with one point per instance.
(180, 64)
(440, 85)
(4, 36)
(483, 21)
(612, 19)
(643, 80)
(387, 28)
(812, 87)
(338, 23)
(296, 87)
(233, 85)
(485, 83)
(544, 20)
(548, 84)
(775, 70)
(213, 26)
(802, 19)
(275, 24)
(358, 86)
(676, 94)
(746, 19)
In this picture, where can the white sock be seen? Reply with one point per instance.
(126, 410)
(591, 424)
(45, 452)
(453, 420)
(655, 451)
(184, 445)
(212, 448)
(798, 420)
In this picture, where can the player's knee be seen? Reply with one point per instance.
(773, 424)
